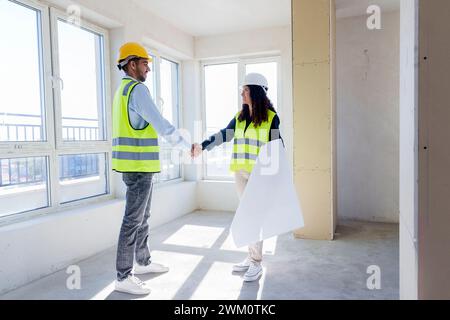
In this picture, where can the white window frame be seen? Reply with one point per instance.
(241, 62)
(157, 57)
(53, 147)
(12, 149)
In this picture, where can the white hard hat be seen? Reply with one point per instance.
(256, 79)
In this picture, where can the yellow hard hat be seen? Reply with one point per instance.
(132, 50)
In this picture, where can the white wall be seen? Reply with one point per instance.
(368, 119)
(137, 23)
(217, 196)
(408, 149)
(263, 42)
(40, 246)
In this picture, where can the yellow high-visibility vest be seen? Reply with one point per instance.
(132, 150)
(248, 144)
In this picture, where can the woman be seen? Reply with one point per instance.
(255, 125)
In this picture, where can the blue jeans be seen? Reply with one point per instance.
(133, 237)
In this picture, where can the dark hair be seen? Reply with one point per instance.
(125, 67)
(261, 104)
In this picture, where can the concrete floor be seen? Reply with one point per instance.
(200, 253)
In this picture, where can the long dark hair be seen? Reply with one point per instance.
(261, 104)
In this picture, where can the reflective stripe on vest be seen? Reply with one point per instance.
(133, 150)
(247, 143)
(121, 155)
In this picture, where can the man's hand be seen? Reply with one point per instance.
(196, 150)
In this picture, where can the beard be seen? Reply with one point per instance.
(142, 78)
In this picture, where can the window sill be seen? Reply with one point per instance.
(22, 190)
(79, 181)
(217, 181)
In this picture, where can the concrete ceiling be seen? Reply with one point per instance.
(351, 8)
(210, 17)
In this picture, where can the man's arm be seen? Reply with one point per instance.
(142, 103)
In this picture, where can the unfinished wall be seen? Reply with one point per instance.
(313, 76)
(434, 149)
(368, 118)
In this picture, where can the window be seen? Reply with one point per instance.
(80, 61)
(222, 101)
(20, 178)
(54, 145)
(80, 112)
(82, 176)
(163, 83)
(222, 104)
(22, 115)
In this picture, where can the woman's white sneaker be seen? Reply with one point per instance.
(132, 285)
(242, 266)
(253, 273)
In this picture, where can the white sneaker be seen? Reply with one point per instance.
(242, 266)
(253, 273)
(151, 268)
(132, 285)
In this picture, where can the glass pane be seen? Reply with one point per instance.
(22, 107)
(222, 104)
(23, 184)
(82, 176)
(169, 90)
(170, 159)
(170, 165)
(269, 70)
(82, 95)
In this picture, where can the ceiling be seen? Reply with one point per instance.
(212, 17)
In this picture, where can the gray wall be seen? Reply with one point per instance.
(368, 119)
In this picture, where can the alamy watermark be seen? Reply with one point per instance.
(73, 282)
(374, 280)
(374, 20)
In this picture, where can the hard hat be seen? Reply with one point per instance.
(132, 50)
(256, 79)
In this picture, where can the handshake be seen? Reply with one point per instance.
(196, 150)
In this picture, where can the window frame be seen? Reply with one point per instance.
(53, 147)
(80, 147)
(55, 15)
(157, 59)
(7, 148)
(241, 64)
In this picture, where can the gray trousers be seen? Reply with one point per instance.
(133, 237)
(255, 249)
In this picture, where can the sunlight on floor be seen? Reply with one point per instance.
(213, 284)
(195, 236)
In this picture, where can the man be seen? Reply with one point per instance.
(136, 125)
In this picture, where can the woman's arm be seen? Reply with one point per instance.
(274, 133)
(224, 135)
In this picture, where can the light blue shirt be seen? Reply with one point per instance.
(142, 110)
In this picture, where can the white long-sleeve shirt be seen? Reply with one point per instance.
(142, 110)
